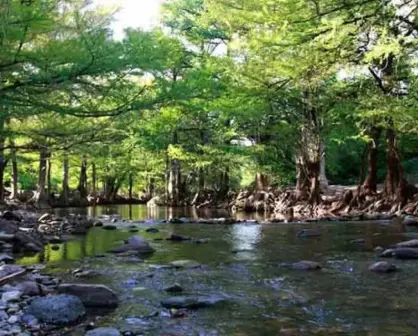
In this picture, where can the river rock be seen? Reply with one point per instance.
(13, 295)
(410, 220)
(32, 288)
(306, 233)
(10, 216)
(176, 237)
(57, 309)
(135, 243)
(190, 302)
(185, 264)
(109, 227)
(91, 295)
(6, 270)
(6, 236)
(176, 288)
(409, 243)
(103, 332)
(304, 265)
(382, 267)
(201, 241)
(401, 253)
(45, 218)
(5, 258)
(152, 230)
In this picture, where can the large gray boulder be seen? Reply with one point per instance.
(57, 309)
(91, 295)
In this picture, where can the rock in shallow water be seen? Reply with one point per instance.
(401, 253)
(57, 309)
(103, 332)
(191, 302)
(304, 265)
(13, 295)
(91, 295)
(306, 233)
(185, 264)
(135, 243)
(408, 243)
(383, 267)
(176, 288)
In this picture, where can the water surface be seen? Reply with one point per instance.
(241, 263)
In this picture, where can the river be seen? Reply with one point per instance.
(241, 263)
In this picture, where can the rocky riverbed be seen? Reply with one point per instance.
(210, 277)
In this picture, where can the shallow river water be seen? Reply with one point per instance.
(241, 264)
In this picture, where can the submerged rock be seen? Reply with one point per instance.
(191, 302)
(57, 309)
(304, 265)
(176, 288)
(109, 227)
(401, 253)
(409, 243)
(410, 220)
(152, 230)
(176, 237)
(103, 332)
(186, 264)
(91, 295)
(383, 267)
(306, 233)
(135, 243)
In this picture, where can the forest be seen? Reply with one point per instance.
(255, 105)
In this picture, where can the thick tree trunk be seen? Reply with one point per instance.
(82, 182)
(3, 161)
(308, 155)
(15, 172)
(394, 170)
(65, 193)
(369, 185)
(261, 182)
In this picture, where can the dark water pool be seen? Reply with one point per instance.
(344, 298)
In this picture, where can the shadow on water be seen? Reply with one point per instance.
(241, 263)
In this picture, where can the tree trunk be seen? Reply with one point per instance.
(48, 176)
(15, 172)
(261, 183)
(131, 183)
(369, 185)
(308, 155)
(94, 183)
(3, 161)
(224, 184)
(65, 193)
(174, 178)
(323, 171)
(394, 170)
(41, 196)
(82, 182)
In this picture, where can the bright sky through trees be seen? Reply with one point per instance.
(133, 13)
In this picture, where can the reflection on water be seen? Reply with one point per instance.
(264, 299)
(139, 212)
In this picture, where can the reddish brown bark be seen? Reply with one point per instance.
(369, 185)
